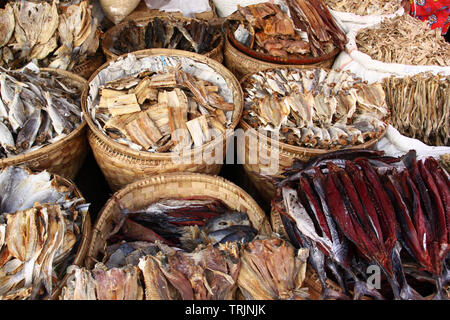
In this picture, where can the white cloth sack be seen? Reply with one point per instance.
(187, 7)
(395, 145)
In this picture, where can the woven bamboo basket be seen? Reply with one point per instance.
(283, 154)
(122, 165)
(108, 38)
(64, 157)
(173, 185)
(242, 64)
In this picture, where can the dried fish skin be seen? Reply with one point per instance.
(80, 285)
(117, 284)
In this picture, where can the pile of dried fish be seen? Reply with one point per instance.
(420, 106)
(315, 108)
(36, 109)
(271, 270)
(102, 284)
(162, 111)
(55, 38)
(356, 208)
(193, 35)
(297, 29)
(40, 224)
(404, 40)
(363, 8)
(184, 223)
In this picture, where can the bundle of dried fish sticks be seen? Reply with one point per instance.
(40, 224)
(262, 269)
(364, 8)
(404, 40)
(356, 208)
(315, 108)
(192, 35)
(55, 36)
(165, 110)
(37, 108)
(294, 29)
(420, 106)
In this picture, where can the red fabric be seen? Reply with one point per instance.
(435, 12)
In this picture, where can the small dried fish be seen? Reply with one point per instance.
(404, 40)
(36, 108)
(363, 8)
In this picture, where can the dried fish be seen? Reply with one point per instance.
(168, 111)
(42, 225)
(422, 110)
(404, 40)
(279, 30)
(36, 108)
(325, 116)
(193, 35)
(380, 204)
(47, 33)
(368, 7)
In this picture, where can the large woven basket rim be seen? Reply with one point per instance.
(294, 149)
(51, 148)
(151, 156)
(108, 35)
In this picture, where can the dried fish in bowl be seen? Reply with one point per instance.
(293, 29)
(41, 221)
(404, 40)
(364, 8)
(54, 35)
(37, 108)
(315, 108)
(163, 108)
(171, 33)
(420, 106)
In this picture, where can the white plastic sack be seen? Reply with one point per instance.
(350, 21)
(395, 145)
(187, 7)
(227, 7)
(374, 70)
